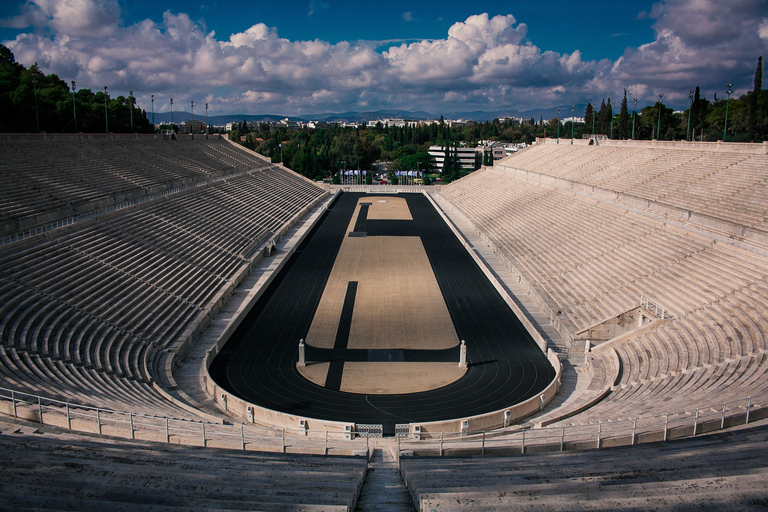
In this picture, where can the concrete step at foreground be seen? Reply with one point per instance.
(126, 503)
(384, 490)
(720, 471)
(47, 473)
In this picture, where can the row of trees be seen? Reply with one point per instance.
(320, 153)
(747, 117)
(31, 101)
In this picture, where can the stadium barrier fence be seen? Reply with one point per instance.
(520, 440)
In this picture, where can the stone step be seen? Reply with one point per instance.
(383, 490)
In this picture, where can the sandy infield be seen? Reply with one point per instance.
(398, 306)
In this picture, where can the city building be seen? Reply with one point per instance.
(467, 156)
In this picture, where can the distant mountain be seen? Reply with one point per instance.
(364, 117)
(220, 120)
(540, 113)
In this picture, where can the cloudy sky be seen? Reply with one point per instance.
(312, 56)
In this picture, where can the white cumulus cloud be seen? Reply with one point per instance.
(481, 62)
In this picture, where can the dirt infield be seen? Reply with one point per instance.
(398, 305)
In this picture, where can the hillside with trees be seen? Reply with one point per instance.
(31, 101)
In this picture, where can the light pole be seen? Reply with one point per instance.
(594, 111)
(130, 106)
(106, 116)
(558, 126)
(690, 109)
(573, 113)
(34, 90)
(153, 112)
(725, 126)
(171, 116)
(634, 114)
(193, 118)
(206, 120)
(74, 109)
(658, 125)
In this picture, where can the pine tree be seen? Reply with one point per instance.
(754, 118)
(604, 118)
(589, 117)
(623, 127)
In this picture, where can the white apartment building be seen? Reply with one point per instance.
(400, 123)
(466, 156)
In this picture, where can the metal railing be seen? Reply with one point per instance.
(674, 425)
(657, 310)
(129, 425)
(633, 431)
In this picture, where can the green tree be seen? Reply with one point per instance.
(623, 125)
(604, 117)
(589, 115)
(28, 96)
(755, 120)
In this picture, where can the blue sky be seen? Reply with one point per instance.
(300, 57)
(600, 29)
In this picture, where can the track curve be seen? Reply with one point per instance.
(258, 363)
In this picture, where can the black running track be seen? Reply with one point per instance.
(258, 363)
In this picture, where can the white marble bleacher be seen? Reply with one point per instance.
(590, 260)
(97, 302)
(50, 180)
(730, 186)
(705, 473)
(130, 475)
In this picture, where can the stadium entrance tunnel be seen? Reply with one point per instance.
(381, 317)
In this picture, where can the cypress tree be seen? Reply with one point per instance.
(623, 127)
(754, 118)
(589, 113)
(604, 118)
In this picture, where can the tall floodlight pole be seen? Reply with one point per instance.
(34, 91)
(634, 114)
(130, 106)
(558, 126)
(153, 112)
(690, 109)
(74, 109)
(725, 126)
(171, 116)
(573, 113)
(658, 125)
(193, 109)
(106, 116)
(206, 120)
